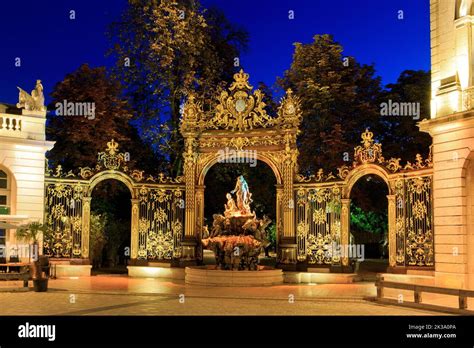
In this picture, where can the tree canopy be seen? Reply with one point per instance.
(341, 98)
(165, 50)
(338, 97)
(79, 138)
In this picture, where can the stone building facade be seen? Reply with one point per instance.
(452, 129)
(23, 146)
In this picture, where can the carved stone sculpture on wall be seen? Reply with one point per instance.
(33, 102)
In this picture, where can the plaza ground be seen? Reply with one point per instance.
(121, 295)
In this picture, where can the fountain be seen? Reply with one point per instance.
(237, 238)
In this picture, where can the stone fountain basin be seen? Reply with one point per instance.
(210, 276)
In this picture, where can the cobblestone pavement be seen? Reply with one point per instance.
(57, 303)
(129, 296)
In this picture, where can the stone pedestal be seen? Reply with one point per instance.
(188, 252)
(287, 255)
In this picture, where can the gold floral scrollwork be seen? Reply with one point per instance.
(301, 197)
(160, 245)
(319, 216)
(319, 177)
(419, 185)
(160, 223)
(319, 249)
(302, 230)
(394, 164)
(192, 112)
(60, 245)
(160, 215)
(239, 110)
(336, 229)
(63, 217)
(137, 175)
(85, 172)
(239, 142)
(370, 151)
(343, 171)
(399, 227)
(289, 111)
(420, 163)
(143, 226)
(177, 228)
(419, 210)
(111, 158)
(419, 248)
(400, 256)
(319, 195)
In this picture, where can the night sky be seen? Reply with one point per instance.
(51, 45)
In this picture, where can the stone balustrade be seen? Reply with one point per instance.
(10, 124)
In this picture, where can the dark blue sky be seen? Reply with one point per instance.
(51, 45)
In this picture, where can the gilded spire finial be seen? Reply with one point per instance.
(241, 81)
(112, 147)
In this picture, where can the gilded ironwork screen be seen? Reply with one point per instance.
(157, 216)
(414, 233)
(64, 219)
(322, 218)
(318, 224)
(160, 224)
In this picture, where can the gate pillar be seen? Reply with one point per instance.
(134, 242)
(287, 247)
(392, 237)
(86, 216)
(189, 243)
(345, 230)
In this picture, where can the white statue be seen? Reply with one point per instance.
(244, 197)
(33, 102)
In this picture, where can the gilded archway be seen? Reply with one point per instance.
(111, 175)
(323, 209)
(157, 209)
(238, 123)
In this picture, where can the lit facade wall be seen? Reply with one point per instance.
(452, 129)
(22, 156)
(451, 57)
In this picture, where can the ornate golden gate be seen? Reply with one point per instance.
(313, 213)
(157, 209)
(238, 122)
(323, 209)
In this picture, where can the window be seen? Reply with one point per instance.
(2, 238)
(3, 180)
(4, 192)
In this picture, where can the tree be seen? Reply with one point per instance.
(112, 201)
(400, 134)
(165, 50)
(98, 239)
(79, 138)
(271, 106)
(338, 97)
